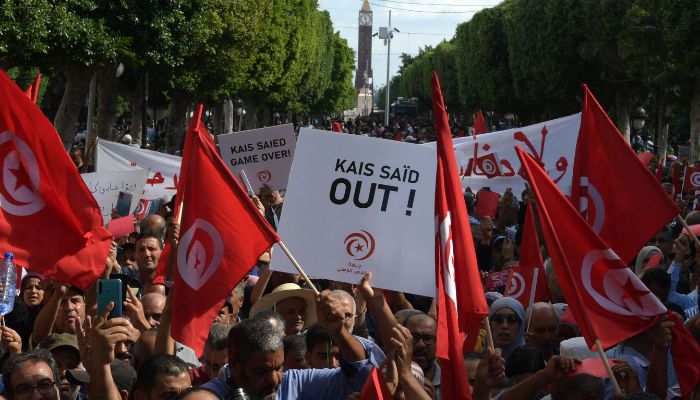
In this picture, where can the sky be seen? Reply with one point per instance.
(420, 22)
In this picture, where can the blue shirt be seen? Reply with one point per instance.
(686, 301)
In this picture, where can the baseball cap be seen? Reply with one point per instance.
(56, 340)
(123, 374)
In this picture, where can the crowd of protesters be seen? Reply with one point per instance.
(274, 339)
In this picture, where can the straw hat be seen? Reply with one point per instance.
(283, 292)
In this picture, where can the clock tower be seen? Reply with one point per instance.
(364, 46)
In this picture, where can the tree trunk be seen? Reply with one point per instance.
(107, 92)
(622, 107)
(664, 112)
(695, 121)
(137, 115)
(68, 114)
(176, 117)
(228, 116)
(218, 118)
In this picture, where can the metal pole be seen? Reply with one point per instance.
(388, 83)
(144, 118)
(91, 110)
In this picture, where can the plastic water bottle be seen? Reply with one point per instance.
(8, 283)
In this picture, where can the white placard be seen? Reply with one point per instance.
(105, 187)
(165, 168)
(491, 160)
(356, 204)
(264, 154)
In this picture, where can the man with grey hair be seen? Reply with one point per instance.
(30, 372)
(215, 354)
(542, 329)
(256, 357)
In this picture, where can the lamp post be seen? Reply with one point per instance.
(638, 118)
(387, 33)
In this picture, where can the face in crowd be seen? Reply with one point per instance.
(423, 329)
(505, 326)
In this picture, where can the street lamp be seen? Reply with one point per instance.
(387, 33)
(240, 112)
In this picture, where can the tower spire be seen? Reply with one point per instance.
(365, 6)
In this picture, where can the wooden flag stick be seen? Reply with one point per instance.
(687, 228)
(298, 267)
(179, 213)
(616, 386)
(489, 336)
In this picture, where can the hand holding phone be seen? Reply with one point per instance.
(109, 290)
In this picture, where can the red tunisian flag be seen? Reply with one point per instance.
(48, 217)
(686, 353)
(527, 285)
(480, 124)
(459, 312)
(530, 252)
(609, 301)
(612, 187)
(222, 234)
(33, 90)
(691, 182)
(375, 387)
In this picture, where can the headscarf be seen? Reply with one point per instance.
(509, 302)
(646, 251)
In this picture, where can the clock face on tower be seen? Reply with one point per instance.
(365, 19)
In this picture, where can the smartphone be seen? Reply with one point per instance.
(109, 290)
(124, 203)
(124, 278)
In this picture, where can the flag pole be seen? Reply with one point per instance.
(616, 386)
(489, 336)
(687, 228)
(298, 267)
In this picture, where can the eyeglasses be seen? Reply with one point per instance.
(511, 319)
(25, 391)
(427, 339)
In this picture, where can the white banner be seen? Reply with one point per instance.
(356, 204)
(491, 160)
(105, 187)
(164, 168)
(264, 154)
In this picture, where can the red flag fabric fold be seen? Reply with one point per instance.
(530, 252)
(33, 90)
(480, 124)
(49, 218)
(686, 353)
(612, 187)
(375, 387)
(461, 304)
(609, 301)
(222, 234)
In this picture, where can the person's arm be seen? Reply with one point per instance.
(134, 309)
(399, 301)
(331, 316)
(657, 377)
(489, 373)
(260, 285)
(164, 342)
(557, 369)
(376, 305)
(104, 336)
(402, 340)
(43, 325)
(11, 339)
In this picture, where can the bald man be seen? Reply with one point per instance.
(542, 328)
(154, 223)
(153, 305)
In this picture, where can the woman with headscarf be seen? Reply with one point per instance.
(506, 317)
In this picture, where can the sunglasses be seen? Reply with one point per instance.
(511, 319)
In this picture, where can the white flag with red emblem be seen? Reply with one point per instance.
(609, 301)
(222, 234)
